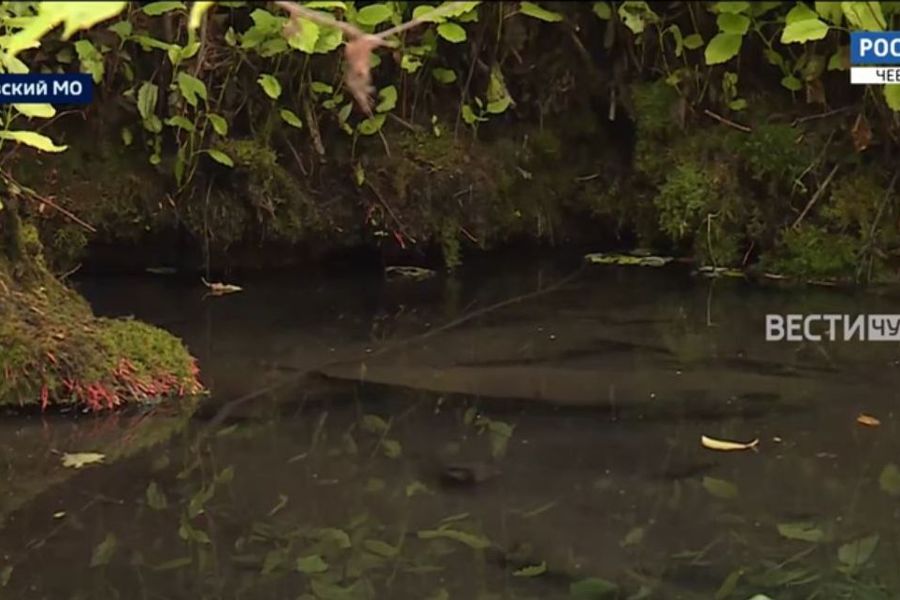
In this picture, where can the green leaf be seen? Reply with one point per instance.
(306, 38)
(889, 480)
(220, 157)
(800, 12)
(593, 588)
(804, 31)
(157, 8)
(830, 11)
(127, 136)
(533, 10)
(122, 29)
(104, 551)
(40, 111)
(731, 8)
(720, 488)
(198, 9)
(374, 14)
(270, 86)
(329, 39)
(391, 448)
(443, 75)
(892, 96)
(387, 99)
(320, 87)
(737, 104)
(693, 41)
(311, 564)
(452, 32)
(181, 122)
(336, 537)
(722, 48)
(732, 23)
(531, 571)
(410, 63)
(858, 552)
(290, 118)
(636, 15)
(497, 95)
(91, 59)
(602, 10)
(792, 83)
(191, 87)
(156, 499)
(380, 548)
(371, 125)
(220, 125)
(806, 532)
(472, 540)
(35, 140)
(840, 60)
(152, 124)
(864, 15)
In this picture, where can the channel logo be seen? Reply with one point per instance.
(874, 57)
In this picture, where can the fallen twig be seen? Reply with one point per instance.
(33, 195)
(815, 197)
(725, 121)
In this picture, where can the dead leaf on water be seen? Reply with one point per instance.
(867, 420)
(219, 289)
(80, 459)
(727, 445)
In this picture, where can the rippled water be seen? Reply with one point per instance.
(373, 440)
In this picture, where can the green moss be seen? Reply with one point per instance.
(685, 199)
(811, 252)
(777, 152)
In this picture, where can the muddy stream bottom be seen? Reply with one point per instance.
(366, 439)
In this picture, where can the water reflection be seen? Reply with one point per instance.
(546, 449)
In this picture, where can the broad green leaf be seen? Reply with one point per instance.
(191, 87)
(452, 32)
(830, 11)
(220, 125)
(720, 488)
(374, 14)
(443, 75)
(531, 571)
(311, 564)
(154, 9)
(840, 60)
(593, 588)
(329, 39)
(864, 15)
(327, 4)
(892, 96)
(792, 83)
(306, 38)
(104, 551)
(220, 157)
(152, 124)
(469, 539)
(270, 86)
(91, 59)
(693, 41)
(807, 532)
(320, 87)
(410, 63)
(804, 31)
(800, 12)
(122, 29)
(732, 23)
(181, 122)
(729, 585)
(74, 16)
(147, 95)
(722, 48)
(602, 10)
(732, 8)
(858, 552)
(387, 99)
(40, 111)
(198, 8)
(538, 12)
(290, 118)
(636, 15)
(156, 499)
(371, 125)
(497, 95)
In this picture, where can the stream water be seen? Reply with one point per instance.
(366, 439)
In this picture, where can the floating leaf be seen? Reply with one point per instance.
(533, 10)
(311, 564)
(889, 480)
(726, 445)
(720, 488)
(600, 258)
(215, 287)
(472, 540)
(867, 420)
(290, 118)
(78, 460)
(807, 532)
(104, 551)
(532, 570)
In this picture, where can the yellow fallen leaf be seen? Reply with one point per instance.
(80, 459)
(725, 445)
(867, 420)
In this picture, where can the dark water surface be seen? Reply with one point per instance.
(549, 448)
